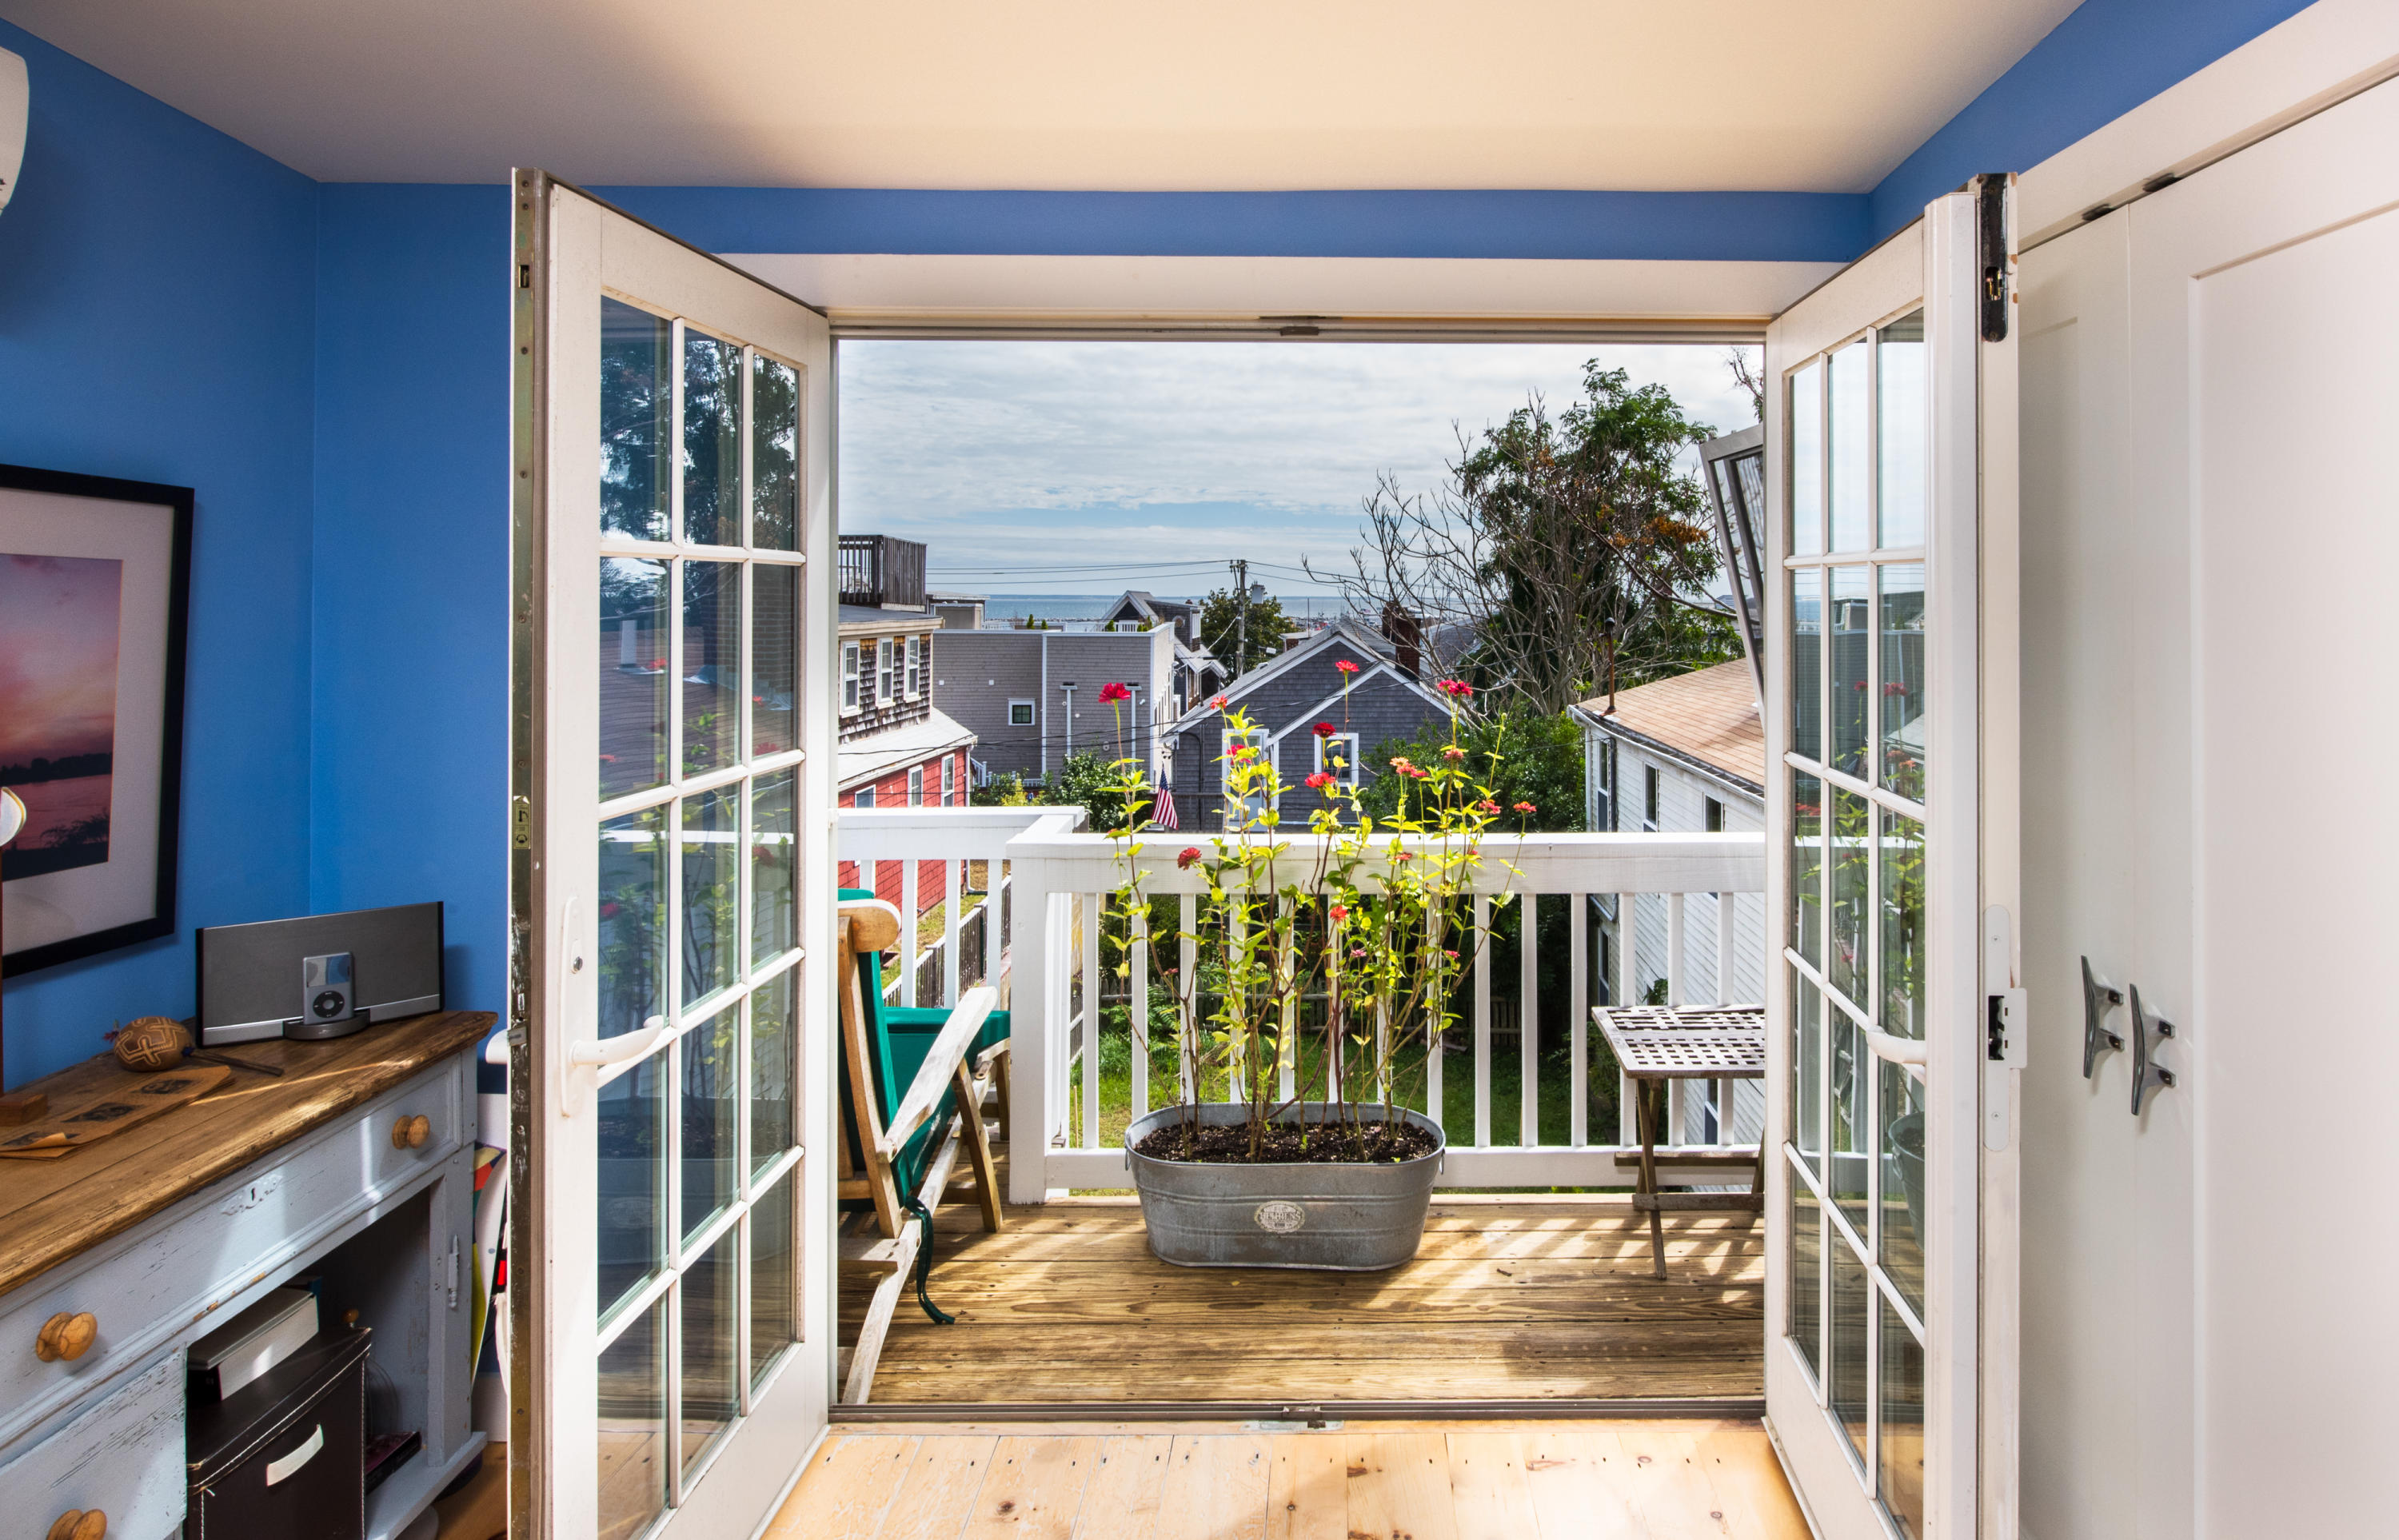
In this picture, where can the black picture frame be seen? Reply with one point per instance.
(178, 503)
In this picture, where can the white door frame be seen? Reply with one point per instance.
(569, 248)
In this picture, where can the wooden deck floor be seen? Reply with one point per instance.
(1559, 1480)
(1508, 1299)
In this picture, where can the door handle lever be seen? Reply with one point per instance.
(580, 1074)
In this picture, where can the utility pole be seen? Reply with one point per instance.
(1242, 624)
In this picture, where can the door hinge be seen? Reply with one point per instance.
(1991, 194)
(521, 822)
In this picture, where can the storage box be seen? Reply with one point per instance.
(252, 1342)
(283, 1458)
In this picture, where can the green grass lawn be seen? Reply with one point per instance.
(1458, 1084)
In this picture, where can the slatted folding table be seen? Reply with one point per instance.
(1654, 1045)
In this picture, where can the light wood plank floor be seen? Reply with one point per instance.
(1508, 1299)
(1558, 1480)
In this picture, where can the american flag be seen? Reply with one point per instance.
(1162, 814)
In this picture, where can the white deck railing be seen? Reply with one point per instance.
(1059, 875)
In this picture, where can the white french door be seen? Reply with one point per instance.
(1890, 452)
(673, 604)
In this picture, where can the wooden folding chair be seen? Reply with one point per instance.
(905, 1119)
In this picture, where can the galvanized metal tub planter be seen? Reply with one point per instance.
(1337, 1216)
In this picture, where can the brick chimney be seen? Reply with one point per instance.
(1405, 633)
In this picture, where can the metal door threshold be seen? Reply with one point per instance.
(1300, 1413)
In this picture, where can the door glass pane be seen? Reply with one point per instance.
(712, 868)
(1901, 630)
(1902, 1423)
(774, 1277)
(712, 1092)
(632, 922)
(1807, 865)
(633, 675)
(711, 439)
(774, 863)
(774, 1037)
(1852, 1311)
(1808, 1065)
(1808, 663)
(774, 658)
(1808, 460)
(1903, 926)
(633, 1427)
(1852, 523)
(1808, 1274)
(1852, 834)
(711, 1388)
(1899, 390)
(1849, 636)
(774, 455)
(1851, 1079)
(1904, 1235)
(636, 420)
(711, 666)
(630, 1202)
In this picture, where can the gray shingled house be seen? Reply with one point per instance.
(1284, 701)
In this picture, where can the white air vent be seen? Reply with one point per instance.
(13, 98)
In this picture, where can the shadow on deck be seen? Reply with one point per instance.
(1509, 1300)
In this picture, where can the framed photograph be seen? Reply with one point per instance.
(95, 585)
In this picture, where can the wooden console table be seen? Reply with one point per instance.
(358, 1164)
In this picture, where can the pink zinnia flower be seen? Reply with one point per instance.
(1189, 858)
(1457, 687)
(1345, 666)
(1339, 913)
(1318, 781)
(1452, 752)
(1527, 808)
(1111, 693)
(1486, 805)
(1243, 752)
(1217, 702)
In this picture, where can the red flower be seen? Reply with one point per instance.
(1339, 913)
(1111, 693)
(1527, 808)
(609, 909)
(1242, 752)
(1457, 687)
(1189, 858)
(1320, 780)
(1345, 666)
(1399, 762)
(1452, 752)
(1217, 702)
(657, 663)
(1486, 805)
(1323, 729)
(1894, 688)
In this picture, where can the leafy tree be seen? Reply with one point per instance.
(1091, 781)
(1519, 756)
(1570, 547)
(1220, 624)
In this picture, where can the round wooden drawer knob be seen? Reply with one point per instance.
(79, 1524)
(65, 1336)
(410, 1133)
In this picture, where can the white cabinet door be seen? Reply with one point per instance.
(1890, 445)
(671, 878)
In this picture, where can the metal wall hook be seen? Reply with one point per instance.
(2147, 1073)
(2098, 999)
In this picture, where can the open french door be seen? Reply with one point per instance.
(1890, 700)
(671, 1344)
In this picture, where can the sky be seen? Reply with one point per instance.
(58, 656)
(1094, 466)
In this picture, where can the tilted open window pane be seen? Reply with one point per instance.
(636, 420)
(773, 454)
(1850, 451)
(1900, 431)
(633, 624)
(1807, 396)
(1900, 630)
(711, 440)
(712, 665)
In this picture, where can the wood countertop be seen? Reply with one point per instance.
(50, 1210)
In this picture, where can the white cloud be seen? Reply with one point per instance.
(1059, 467)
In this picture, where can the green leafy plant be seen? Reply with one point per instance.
(1371, 914)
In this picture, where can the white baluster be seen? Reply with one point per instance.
(1091, 902)
(1527, 1016)
(1485, 959)
(953, 903)
(908, 913)
(1137, 1008)
(1579, 1017)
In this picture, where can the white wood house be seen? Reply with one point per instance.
(1685, 755)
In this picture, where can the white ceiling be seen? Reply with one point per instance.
(1805, 95)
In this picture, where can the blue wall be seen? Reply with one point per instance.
(156, 295)
(1664, 226)
(409, 753)
(2106, 59)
